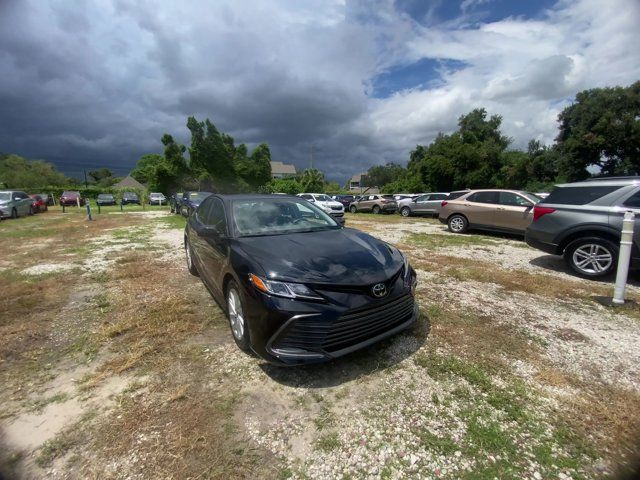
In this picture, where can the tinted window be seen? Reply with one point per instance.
(454, 195)
(483, 197)
(211, 213)
(578, 195)
(633, 201)
(422, 198)
(307, 197)
(514, 200)
(438, 196)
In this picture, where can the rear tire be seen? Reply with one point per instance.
(376, 209)
(405, 211)
(237, 320)
(592, 257)
(14, 213)
(353, 209)
(458, 224)
(189, 253)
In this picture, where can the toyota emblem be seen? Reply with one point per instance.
(379, 290)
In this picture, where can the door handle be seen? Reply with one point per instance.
(467, 205)
(500, 208)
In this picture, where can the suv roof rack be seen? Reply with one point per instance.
(604, 179)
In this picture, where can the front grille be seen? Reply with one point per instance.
(356, 326)
(337, 208)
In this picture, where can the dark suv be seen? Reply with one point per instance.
(582, 222)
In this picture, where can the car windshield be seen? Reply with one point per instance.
(5, 196)
(278, 216)
(130, 195)
(198, 195)
(105, 195)
(323, 198)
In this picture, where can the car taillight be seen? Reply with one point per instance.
(443, 203)
(541, 211)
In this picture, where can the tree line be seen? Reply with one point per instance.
(599, 133)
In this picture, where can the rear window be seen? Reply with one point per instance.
(483, 197)
(579, 195)
(454, 195)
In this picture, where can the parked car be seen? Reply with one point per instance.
(190, 201)
(70, 198)
(374, 203)
(105, 199)
(15, 203)
(427, 204)
(46, 198)
(582, 222)
(295, 285)
(345, 200)
(157, 199)
(129, 198)
(174, 202)
(38, 204)
(509, 211)
(326, 203)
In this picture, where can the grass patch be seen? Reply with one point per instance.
(173, 221)
(440, 240)
(328, 442)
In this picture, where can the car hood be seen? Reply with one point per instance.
(338, 257)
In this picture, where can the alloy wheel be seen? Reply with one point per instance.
(405, 212)
(592, 258)
(456, 224)
(236, 316)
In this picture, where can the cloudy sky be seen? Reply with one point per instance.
(96, 83)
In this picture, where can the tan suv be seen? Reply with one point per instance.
(509, 211)
(374, 203)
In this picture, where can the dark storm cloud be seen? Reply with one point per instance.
(98, 83)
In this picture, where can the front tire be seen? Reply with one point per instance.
(405, 211)
(14, 213)
(592, 257)
(458, 224)
(189, 253)
(237, 319)
(353, 209)
(376, 209)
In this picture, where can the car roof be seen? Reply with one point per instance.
(603, 183)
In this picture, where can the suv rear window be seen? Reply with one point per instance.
(579, 195)
(454, 195)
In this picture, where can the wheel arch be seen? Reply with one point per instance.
(589, 232)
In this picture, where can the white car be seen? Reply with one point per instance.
(157, 199)
(326, 203)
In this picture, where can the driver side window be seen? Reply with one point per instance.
(211, 213)
(513, 200)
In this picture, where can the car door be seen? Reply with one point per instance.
(616, 216)
(420, 204)
(432, 204)
(211, 242)
(479, 208)
(513, 212)
(23, 203)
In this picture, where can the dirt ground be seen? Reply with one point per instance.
(116, 363)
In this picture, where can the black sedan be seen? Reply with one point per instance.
(296, 286)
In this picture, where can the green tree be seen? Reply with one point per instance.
(256, 169)
(100, 174)
(312, 180)
(602, 129)
(212, 155)
(290, 186)
(380, 175)
(18, 172)
(145, 169)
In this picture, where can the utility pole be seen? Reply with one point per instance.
(312, 146)
(85, 179)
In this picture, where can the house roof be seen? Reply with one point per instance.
(283, 168)
(129, 182)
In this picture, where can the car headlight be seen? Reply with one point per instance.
(283, 289)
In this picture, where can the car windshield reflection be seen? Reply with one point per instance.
(278, 216)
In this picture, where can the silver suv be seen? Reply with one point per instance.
(582, 222)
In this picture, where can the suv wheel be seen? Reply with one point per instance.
(353, 209)
(405, 211)
(376, 209)
(237, 319)
(458, 224)
(592, 257)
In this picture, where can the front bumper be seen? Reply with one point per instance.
(5, 212)
(288, 332)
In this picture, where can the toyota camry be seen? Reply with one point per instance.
(296, 286)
